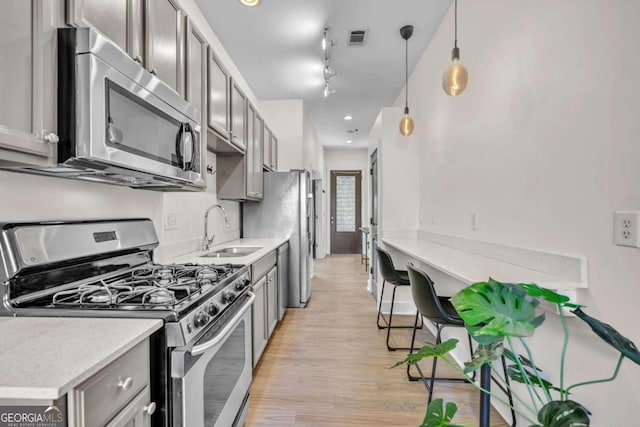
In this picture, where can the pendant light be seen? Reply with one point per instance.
(456, 77)
(406, 124)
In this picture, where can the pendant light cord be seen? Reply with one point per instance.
(455, 44)
(406, 73)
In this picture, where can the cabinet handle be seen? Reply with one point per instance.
(138, 59)
(125, 384)
(51, 138)
(154, 71)
(150, 408)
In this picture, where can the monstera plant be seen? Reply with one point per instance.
(499, 315)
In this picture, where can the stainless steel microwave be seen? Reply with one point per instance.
(118, 123)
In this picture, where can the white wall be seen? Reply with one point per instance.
(543, 145)
(338, 159)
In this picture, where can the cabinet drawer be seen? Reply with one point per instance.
(264, 264)
(103, 395)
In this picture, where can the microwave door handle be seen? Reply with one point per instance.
(224, 333)
(194, 154)
(179, 143)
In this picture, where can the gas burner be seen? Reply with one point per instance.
(146, 295)
(207, 273)
(159, 297)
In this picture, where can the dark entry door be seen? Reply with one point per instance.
(346, 209)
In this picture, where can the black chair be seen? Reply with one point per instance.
(396, 278)
(443, 314)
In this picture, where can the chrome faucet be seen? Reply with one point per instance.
(206, 242)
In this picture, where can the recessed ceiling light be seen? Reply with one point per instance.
(349, 141)
(250, 2)
(348, 117)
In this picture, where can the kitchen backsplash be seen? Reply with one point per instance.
(26, 197)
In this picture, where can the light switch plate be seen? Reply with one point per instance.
(625, 228)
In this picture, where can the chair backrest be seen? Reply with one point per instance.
(387, 270)
(425, 297)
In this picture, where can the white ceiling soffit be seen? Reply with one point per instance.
(277, 47)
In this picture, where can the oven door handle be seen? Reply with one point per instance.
(201, 348)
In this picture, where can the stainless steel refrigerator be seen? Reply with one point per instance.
(285, 212)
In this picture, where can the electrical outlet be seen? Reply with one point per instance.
(474, 221)
(625, 228)
(171, 222)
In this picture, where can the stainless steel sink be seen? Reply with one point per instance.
(232, 251)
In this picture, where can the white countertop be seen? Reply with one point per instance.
(45, 357)
(471, 268)
(267, 246)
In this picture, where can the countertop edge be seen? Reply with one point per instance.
(53, 393)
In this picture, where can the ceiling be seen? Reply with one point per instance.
(277, 47)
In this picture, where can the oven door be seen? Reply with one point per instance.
(211, 378)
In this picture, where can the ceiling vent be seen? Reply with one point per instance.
(357, 37)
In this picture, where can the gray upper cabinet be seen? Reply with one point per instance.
(266, 149)
(28, 83)
(250, 155)
(164, 41)
(150, 31)
(238, 111)
(258, 141)
(274, 153)
(196, 76)
(218, 98)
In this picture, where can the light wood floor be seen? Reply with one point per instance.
(327, 364)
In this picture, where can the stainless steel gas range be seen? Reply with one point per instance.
(200, 361)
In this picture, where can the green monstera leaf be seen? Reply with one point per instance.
(429, 350)
(612, 337)
(497, 309)
(484, 354)
(536, 291)
(438, 415)
(564, 413)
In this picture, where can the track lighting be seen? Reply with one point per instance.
(328, 72)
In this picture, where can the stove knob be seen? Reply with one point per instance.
(243, 284)
(200, 319)
(213, 309)
(227, 297)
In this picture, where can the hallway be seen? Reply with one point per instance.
(327, 365)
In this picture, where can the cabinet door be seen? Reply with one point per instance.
(118, 20)
(272, 300)
(164, 41)
(218, 97)
(250, 154)
(238, 112)
(257, 156)
(28, 80)
(137, 413)
(266, 149)
(274, 153)
(259, 319)
(196, 80)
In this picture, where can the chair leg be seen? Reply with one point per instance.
(509, 395)
(393, 301)
(413, 342)
(384, 282)
(433, 367)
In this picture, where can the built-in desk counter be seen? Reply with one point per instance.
(470, 267)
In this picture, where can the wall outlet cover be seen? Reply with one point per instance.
(170, 222)
(625, 228)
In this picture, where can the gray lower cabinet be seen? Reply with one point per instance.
(259, 319)
(272, 300)
(28, 83)
(118, 395)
